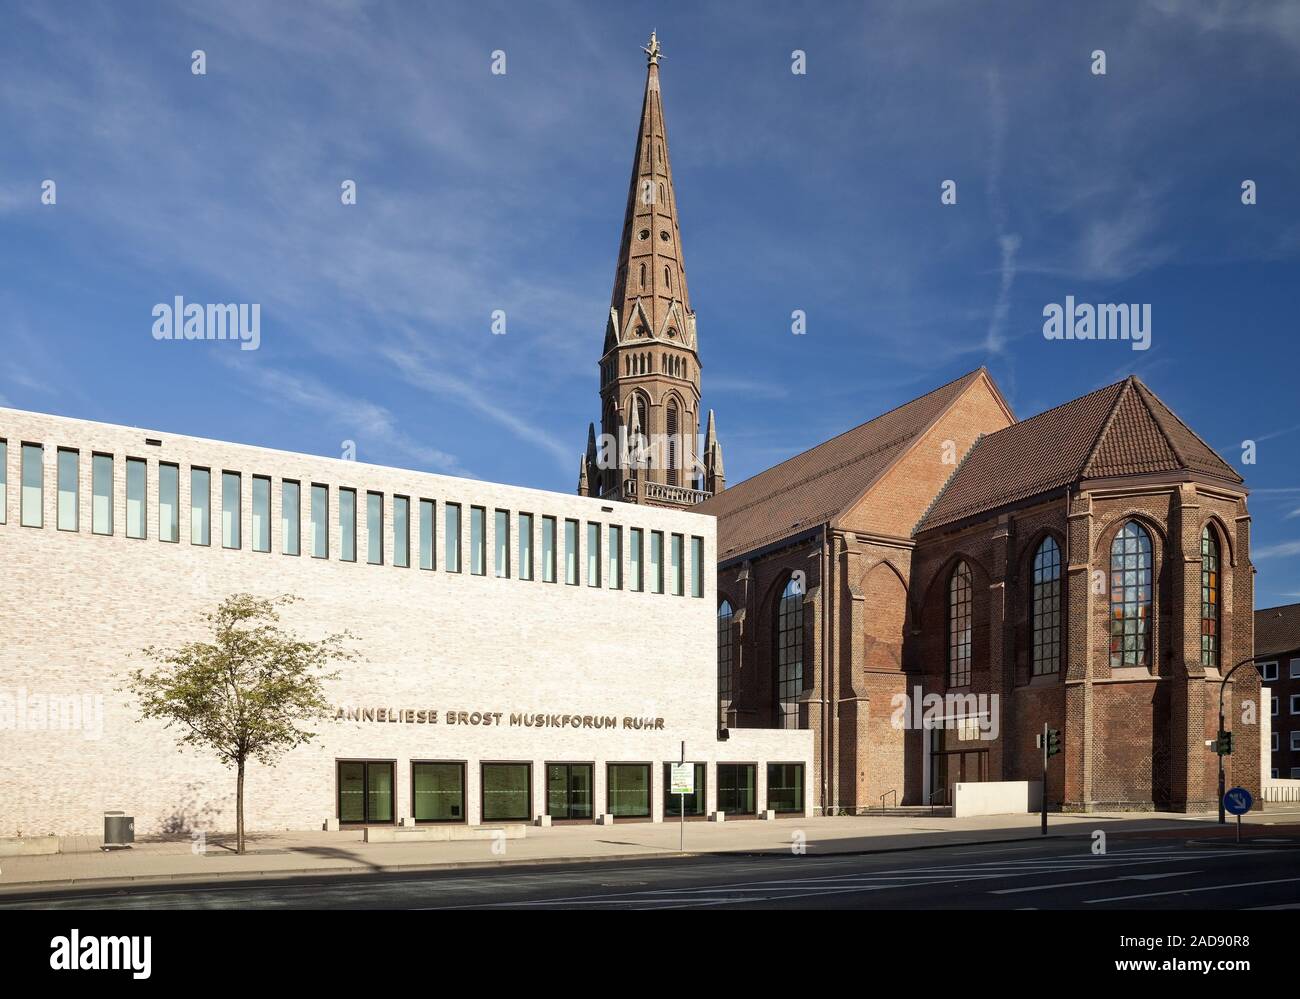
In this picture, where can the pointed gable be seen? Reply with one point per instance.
(816, 486)
(1121, 429)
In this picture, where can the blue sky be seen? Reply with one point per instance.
(818, 192)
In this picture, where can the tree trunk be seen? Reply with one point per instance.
(239, 811)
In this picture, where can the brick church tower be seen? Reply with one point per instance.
(647, 451)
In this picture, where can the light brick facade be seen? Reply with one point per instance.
(77, 608)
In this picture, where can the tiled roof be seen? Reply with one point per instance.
(1277, 630)
(811, 488)
(1122, 429)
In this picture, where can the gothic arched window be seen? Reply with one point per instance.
(1210, 593)
(959, 626)
(726, 651)
(1130, 597)
(643, 276)
(674, 446)
(1045, 611)
(789, 654)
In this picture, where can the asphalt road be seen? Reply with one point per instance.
(1056, 874)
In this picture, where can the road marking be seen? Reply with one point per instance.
(1101, 881)
(1189, 891)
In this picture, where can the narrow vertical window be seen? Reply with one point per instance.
(4, 481)
(169, 503)
(401, 532)
(33, 494)
(1130, 597)
(1210, 598)
(656, 561)
(789, 654)
(697, 567)
(348, 525)
(959, 626)
(676, 553)
(69, 489)
(290, 517)
(428, 548)
(452, 532)
(571, 552)
(726, 652)
(525, 546)
(101, 494)
(261, 513)
(1046, 608)
(231, 489)
(478, 540)
(674, 446)
(375, 528)
(593, 553)
(548, 549)
(320, 521)
(615, 557)
(200, 506)
(636, 557)
(137, 475)
(501, 544)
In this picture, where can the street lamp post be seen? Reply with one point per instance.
(1223, 685)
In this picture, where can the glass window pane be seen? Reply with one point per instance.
(501, 543)
(452, 540)
(615, 557)
(169, 503)
(677, 568)
(320, 521)
(290, 517)
(697, 567)
(348, 525)
(656, 562)
(525, 546)
(736, 788)
(136, 476)
(401, 532)
(230, 513)
(33, 502)
(593, 554)
(261, 513)
(477, 540)
(636, 540)
(785, 787)
(101, 497)
(375, 528)
(694, 802)
(352, 792)
(571, 552)
(548, 549)
(507, 791)
(628, 790)
(438, 792)
(200, 506)
(69, 489)
(379, 792)
(426, 534)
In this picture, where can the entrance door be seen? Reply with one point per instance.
(365, 790)
(960, 767)
(568, 790)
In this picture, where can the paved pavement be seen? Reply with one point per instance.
(1139, 873)
(343, 854)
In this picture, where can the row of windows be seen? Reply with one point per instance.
(366, 791)
(1131, 588)
(1295, 736)
(1268, 671)
(1276, 705)
(1295, 773)
(658, 562)
(788, 676)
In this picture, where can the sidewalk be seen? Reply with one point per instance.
(315, 853)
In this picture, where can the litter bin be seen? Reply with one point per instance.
(119, 830)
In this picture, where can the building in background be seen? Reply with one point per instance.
(1277, 644)
(523, 654)
(1086, 569)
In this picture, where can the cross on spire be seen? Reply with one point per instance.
(652, 51)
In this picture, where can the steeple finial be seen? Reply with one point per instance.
(652, 51)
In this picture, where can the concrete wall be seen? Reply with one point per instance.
(76, 610)
(1008, 797)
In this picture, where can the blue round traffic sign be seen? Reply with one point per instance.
(1238, 801)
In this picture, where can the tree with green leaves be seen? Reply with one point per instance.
(246, 694)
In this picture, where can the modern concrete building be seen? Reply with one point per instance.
(524, 653)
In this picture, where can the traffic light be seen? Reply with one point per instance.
(1053, 741)
(1223, 745)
